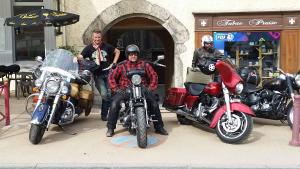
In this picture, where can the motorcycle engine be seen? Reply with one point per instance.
(206, 107)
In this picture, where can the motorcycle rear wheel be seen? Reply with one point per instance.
(141, 130)
(36, 133)
(238, 131)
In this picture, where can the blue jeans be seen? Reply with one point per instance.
(101, 83)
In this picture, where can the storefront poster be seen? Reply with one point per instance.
(250, 37)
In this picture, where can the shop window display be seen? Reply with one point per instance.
(251, 49)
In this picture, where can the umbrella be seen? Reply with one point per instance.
(44, 17)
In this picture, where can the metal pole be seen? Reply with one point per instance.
(295, 133)
(6, 103)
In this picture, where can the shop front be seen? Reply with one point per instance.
(261, 40)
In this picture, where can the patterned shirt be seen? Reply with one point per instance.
(117, 78)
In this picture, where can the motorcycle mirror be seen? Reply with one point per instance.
(39, 59)
(160, 57)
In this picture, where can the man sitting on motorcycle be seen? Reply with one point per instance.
(118, 82)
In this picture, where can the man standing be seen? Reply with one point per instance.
(101, 53)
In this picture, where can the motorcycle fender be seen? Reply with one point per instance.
(41, 111)
(233, 106)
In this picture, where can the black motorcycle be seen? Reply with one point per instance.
(134, 114)
(274, 100)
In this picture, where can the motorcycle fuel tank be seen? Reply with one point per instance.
(275, 84)
(213, 88)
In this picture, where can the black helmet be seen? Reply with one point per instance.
(207, 66)
(132, 48)
(249, 75)
(86, 75)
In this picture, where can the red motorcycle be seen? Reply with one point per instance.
(214, 104)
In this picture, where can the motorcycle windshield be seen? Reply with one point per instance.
(60, 61)
(228, 75)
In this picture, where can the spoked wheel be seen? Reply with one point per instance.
(290, 114)
(237, 130)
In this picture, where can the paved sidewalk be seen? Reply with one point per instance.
(185, 147)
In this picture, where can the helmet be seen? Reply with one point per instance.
(86, 75)
(249, 75)
(132, 48)
(207, 66)
(207, 39)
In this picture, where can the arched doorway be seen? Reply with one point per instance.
(126, 9)
(153, 40)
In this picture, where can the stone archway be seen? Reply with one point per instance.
(142, 8)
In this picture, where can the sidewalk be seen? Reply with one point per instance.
(185, 147)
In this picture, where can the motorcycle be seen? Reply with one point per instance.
(274, 99)
(134, 114)
(214, 104)
(61, 97)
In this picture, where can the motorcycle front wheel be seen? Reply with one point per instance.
(36, 133)
(141, 130)
(236, 131)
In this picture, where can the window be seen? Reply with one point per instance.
(255, 49)
(29, 41)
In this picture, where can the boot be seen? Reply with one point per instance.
(104, 109)
(161, 131)
(110, 132)
(103, 118)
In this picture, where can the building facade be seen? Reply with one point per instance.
(250, 32)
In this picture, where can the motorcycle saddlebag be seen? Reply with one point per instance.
(85, 97)
(174, 98)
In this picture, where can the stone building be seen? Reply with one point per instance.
(170, 27)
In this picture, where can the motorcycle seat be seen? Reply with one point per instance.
(251, 88)
(194, 88)
(10, 69)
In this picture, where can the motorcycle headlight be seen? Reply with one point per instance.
(239, 88)
(136, 79)
(297, 79)
(52, 86)
(64, 90)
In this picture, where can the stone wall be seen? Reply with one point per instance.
(175, 15)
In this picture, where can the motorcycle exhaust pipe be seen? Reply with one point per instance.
(190, 116)
(186, 115)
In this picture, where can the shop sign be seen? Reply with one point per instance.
(256, 22)
(253, 21)
(246, 22)
(229, 22)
